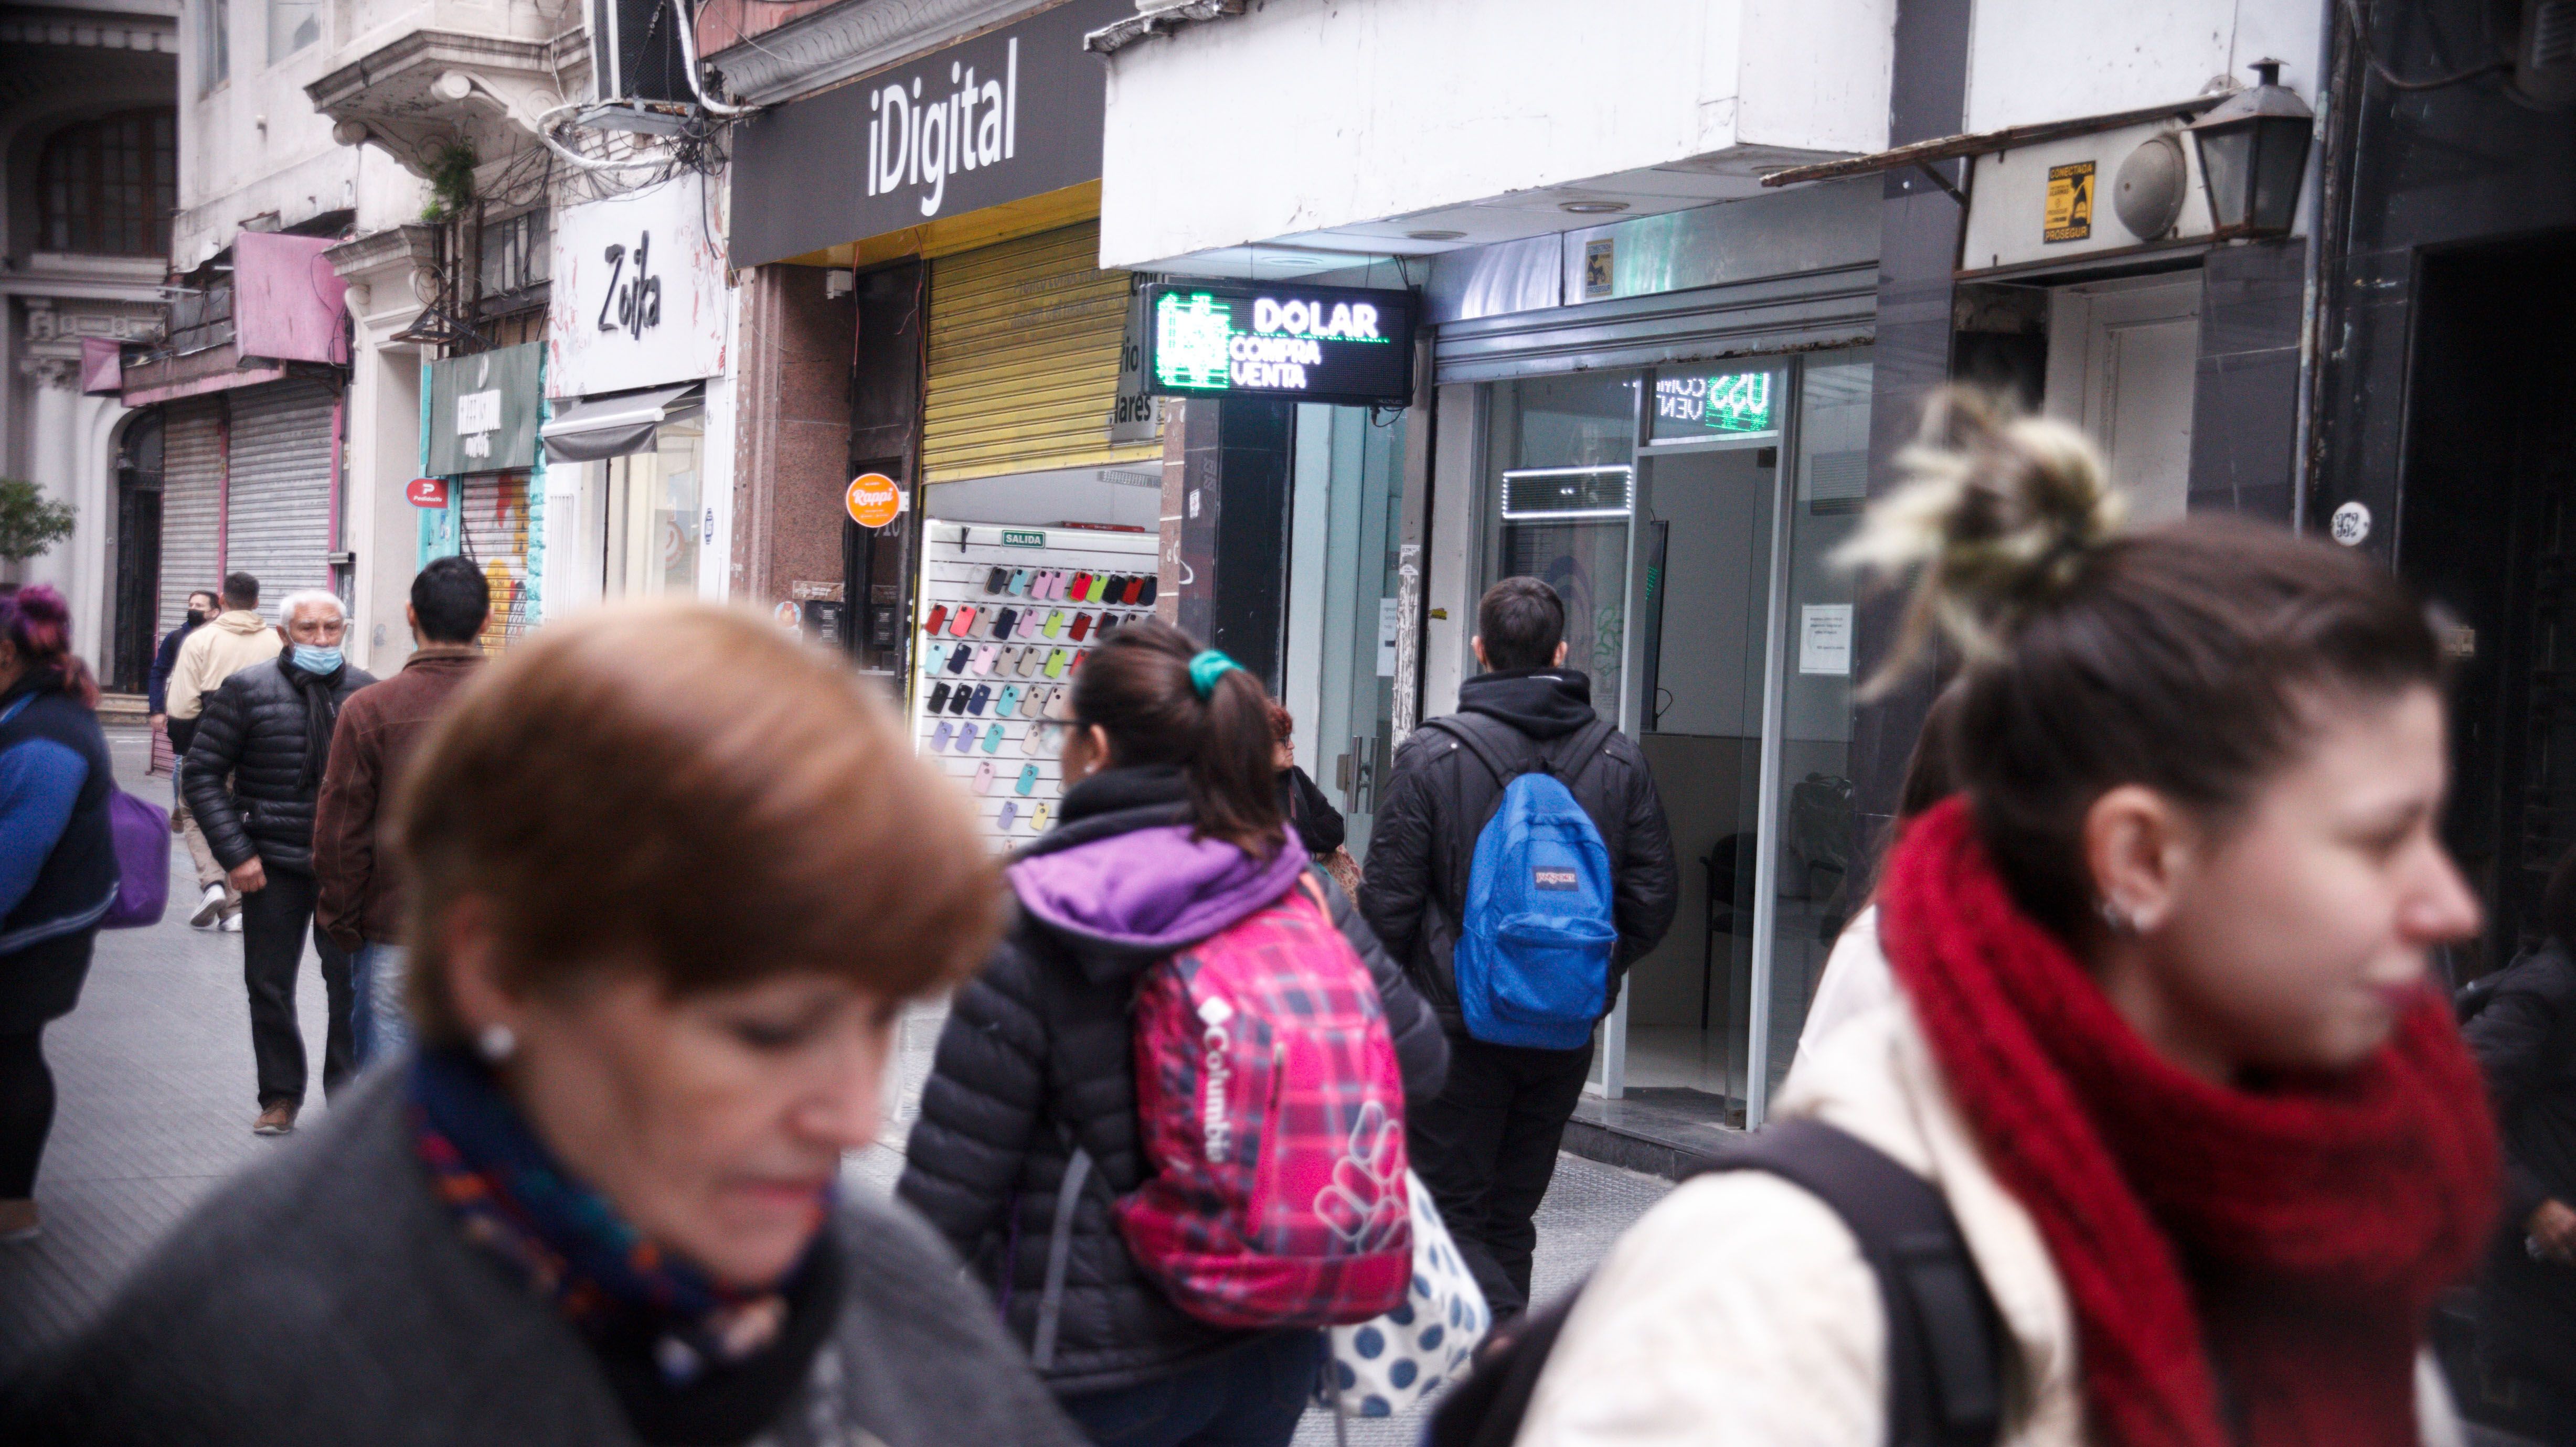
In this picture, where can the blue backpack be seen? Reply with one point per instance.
(1537, 934)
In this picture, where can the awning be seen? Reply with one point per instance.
(615, 425)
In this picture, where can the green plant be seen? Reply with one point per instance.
(30, 522)
(451, 181)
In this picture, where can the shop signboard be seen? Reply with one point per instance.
(1694, 404)
(1011, 113)
(483, 411)
(1307, 343)
(638, 298)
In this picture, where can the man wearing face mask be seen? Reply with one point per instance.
(251, 777)
(218, 901)
(233, 638)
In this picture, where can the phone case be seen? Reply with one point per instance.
(1028, 777)
(938, 699)
(938, 615)
(1081, 627)
(1009, 815)
(940, 736)
(983, 661)
(1038, 817)
(1145, 595)
(1002, 625)
(982, 695)
(960, 621)
(1055, 664)
(957, 658)
(1007, 702)
(1020, 582)
(996, 580)
(1135, 590)
(984, 778)
(993, 735)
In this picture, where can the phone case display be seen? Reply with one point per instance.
(1006, 616)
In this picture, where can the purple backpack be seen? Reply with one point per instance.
(141, 832)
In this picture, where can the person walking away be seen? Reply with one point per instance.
(1320, 828)
(2163, 1041)
(1035, 1154)
(2523, 1031)
(252, 775)
(236, 638)
(672, 880)
(1487, 1146)
(58, 871)
(358, 883)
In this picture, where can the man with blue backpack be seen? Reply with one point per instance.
(1518, 864)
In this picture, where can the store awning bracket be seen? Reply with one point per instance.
(1933, 173)
(1985, 143)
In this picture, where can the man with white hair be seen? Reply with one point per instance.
(252, 775)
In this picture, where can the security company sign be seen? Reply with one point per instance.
(1012, 113)
(2069, 211)
(1315, 344)
(639, 293)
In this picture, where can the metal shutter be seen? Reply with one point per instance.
(496, 536)
(192, 489)
(278, 518)
(1023, 368)
(1829, 307)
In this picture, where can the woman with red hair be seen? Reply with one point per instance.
(57, 870)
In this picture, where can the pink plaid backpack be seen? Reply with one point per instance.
(1273, 1116)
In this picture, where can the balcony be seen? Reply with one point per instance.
(428, 90)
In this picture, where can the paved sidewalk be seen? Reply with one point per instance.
(153, 1072)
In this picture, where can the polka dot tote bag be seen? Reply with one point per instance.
(1397, 1361)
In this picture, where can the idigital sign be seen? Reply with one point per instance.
(1309, 343)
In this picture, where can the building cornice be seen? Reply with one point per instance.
(152, 34)
(847, 41)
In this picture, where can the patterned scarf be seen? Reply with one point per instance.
(512, 1199)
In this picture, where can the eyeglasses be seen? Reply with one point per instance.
(1047, 736)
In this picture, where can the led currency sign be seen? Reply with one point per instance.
(1724, 404)
(1315, 344)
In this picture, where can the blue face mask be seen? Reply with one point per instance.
(316, 660)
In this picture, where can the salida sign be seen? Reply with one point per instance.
(1317, 344)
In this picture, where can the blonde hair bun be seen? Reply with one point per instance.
(1994, 514)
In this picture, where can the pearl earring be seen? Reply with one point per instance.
(2117, 918)
(497, 1042)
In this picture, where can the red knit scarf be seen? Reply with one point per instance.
(2287, 1242)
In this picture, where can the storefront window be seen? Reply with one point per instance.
(652, 511)
(1344, 533)
(1662, 497)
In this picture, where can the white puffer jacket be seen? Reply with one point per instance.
(1739, 1309)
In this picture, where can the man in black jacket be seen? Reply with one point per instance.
(251, 777)
(1487, 1146)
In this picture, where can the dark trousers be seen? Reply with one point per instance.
(1249, 1397)
(1487, 1149)
(26, 1111)
(275, 924)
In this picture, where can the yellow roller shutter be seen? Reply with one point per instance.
(1023, 367)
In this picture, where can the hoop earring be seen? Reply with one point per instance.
(497, 1043)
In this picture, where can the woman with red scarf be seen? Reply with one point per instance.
(2163, 1038)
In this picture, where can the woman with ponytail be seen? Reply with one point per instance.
(58, 872)
(2163, 1038)
(1169, 832)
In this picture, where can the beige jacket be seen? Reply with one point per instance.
(1739, 1309)
(229, 643)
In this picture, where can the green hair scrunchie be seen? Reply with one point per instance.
(1207, 668)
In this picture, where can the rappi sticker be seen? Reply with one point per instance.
(874, 500)
(426, 492)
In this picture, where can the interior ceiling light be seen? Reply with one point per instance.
(1434, 235)
(1592, 208)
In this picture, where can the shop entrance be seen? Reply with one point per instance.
(1345, 530)
(1686, 515)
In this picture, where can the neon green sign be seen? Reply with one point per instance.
(1728, 402)
(1192, 333)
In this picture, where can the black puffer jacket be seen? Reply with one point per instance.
(1440, 796)
(2525, 1041)
(1035, 1056)
(245, 773)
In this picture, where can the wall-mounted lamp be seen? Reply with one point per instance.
(2253, 155)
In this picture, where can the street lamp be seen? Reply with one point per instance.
(2253, 153)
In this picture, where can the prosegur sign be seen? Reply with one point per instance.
(1310, 343)
(1012, 113)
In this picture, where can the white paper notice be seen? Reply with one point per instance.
(1386, 637)
(1824, 638)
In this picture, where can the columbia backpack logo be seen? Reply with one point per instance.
(1218, 1041)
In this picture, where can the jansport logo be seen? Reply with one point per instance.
(1212, 1120)
(1544, 878)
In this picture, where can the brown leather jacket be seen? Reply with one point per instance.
(361, 887)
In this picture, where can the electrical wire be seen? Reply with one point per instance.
(689, 58)
(2370, 56)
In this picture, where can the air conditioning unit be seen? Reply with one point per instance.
(635, 51)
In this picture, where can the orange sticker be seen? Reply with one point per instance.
(874, 500)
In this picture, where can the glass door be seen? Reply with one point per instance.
(1344, 526)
